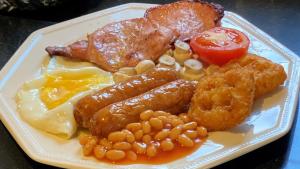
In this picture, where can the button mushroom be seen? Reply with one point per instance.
(144, 65)
(182, 52)
(192, 70)
(167, 61)
(130, 71)
(120, 77)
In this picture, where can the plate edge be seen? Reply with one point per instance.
(38, 31)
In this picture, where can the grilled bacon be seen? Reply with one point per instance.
(125, 43)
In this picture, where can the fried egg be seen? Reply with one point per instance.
(47, 101)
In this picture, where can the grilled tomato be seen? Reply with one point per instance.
(219, 45)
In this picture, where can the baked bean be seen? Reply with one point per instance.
(184, 117)
(162, 134)
(84, 138)
(147, 139)
(99, 151)
(190, 126)
(105, 143)
(94, 138)
(164, 119)
(122, 146)
(156, 144)
(115, 155)
(202, 131)
(156, 123)
(167, 145)
(126, 131)
(138, 134)
(176, 121)
(151, 151)
(160, 113)
(89, 146)
(175, 132)
(156, 130)
(152, 133)
(173, 116)
(116, 136)
(129, 136)
(131, 155)
(168, 126)
(145, 115)
(185, 141)
(133, 127)
(192, 134)
(146, 127)
(139, 148)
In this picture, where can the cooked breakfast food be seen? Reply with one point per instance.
(219, 45)
(86, 107)
(176, 75)
(152, 136)
(126, 43)
(188, 18)
(223, 100)
(120, 44)
(117, 115)
(267, 74)
(46, 102)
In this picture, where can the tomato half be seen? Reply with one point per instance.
(219, 45)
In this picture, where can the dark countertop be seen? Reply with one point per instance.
(278, 18)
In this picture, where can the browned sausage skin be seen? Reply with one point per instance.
(87, 106)
(116, 116)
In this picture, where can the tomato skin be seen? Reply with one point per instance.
(220, 51)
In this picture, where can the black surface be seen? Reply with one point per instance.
(278, 18)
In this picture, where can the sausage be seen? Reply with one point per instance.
(87, 106)
(116, 116)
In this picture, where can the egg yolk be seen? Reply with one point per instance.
(57, 89)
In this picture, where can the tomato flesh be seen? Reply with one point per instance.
(219, 45)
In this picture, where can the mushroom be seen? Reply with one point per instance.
(182, 51)
(120, 77)
(169, 52)
(144, 66)
(192, 70)
(130, 71)
(166, 60)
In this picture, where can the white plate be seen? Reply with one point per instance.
(271, 118)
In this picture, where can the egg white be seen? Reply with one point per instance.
(57, 63)
(59, 120)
